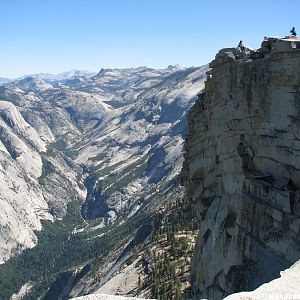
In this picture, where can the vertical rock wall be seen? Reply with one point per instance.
(242, 168)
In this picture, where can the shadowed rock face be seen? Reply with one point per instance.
(242, 168)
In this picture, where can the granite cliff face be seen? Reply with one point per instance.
(35, 183)
(242, 168)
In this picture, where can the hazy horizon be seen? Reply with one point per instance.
(96, 71)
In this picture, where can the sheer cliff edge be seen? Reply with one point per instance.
(242, 168)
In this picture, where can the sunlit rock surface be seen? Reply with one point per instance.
(22, 204)
(111, 142)
(242, 168)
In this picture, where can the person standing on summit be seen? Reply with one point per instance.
(241, 46)
(293, 31)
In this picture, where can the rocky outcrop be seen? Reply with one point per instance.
(65, 281)
(22, 204)
(285, 287)
(34, 185)
(242, 168)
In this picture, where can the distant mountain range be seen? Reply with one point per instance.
(62, 77)
(51, 77)
(4, 80)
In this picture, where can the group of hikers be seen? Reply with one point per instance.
(242, 47)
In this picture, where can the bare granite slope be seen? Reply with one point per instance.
(22, 204)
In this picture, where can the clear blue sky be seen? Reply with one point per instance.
(59, 35)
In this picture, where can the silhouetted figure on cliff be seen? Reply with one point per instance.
(241, 46)
(293, 31)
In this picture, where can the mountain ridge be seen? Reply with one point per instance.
(113, 150)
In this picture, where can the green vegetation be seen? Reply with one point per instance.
(170, 251)
(61, 146)
(59, 250)
(132, 171)
(99, 157)
(46, 170)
